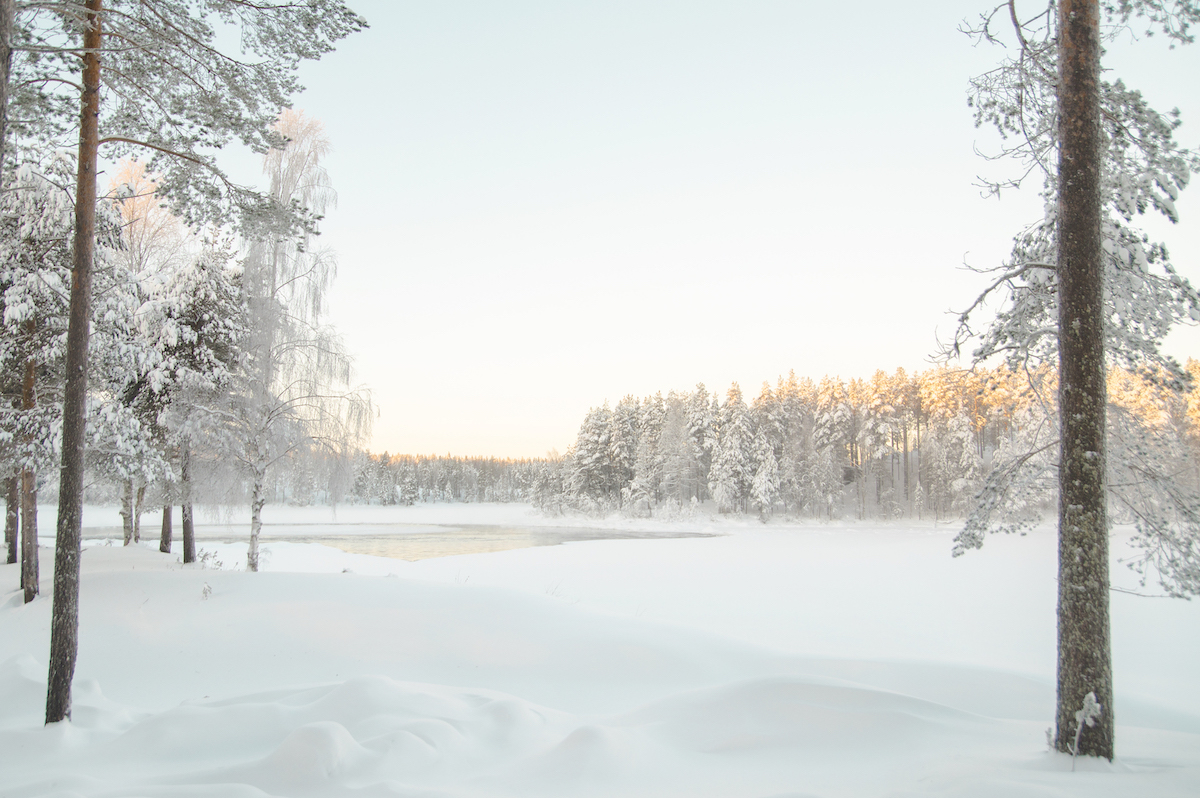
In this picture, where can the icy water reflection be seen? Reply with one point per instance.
(403, 541)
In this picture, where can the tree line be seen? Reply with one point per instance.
(895, 445)
(412, 479)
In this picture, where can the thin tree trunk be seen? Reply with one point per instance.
(64, 626)
(138, 504)
(1084, 655)
(6, 26)
(164, 541)
(185, 507)
(30, 576)
(257, 500)
(127, 510)
(30, 572)
(12, 505)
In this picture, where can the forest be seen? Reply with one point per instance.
(898, 445)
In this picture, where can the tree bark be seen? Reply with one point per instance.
(7, 13)
(1084, 656)
(64, 626)
(164, 540)
(30, 571)
(185, 507)
(127, 511)
(12, 505)
(257, 500)
(138, 503)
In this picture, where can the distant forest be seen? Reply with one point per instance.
(895, 445)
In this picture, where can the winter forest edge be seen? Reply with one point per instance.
(212, 377)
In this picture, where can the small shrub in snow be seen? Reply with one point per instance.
(208, 559)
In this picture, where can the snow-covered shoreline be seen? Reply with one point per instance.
(812, 659)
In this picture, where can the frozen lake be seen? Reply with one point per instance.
(364, 530)
(400, 541)
(700, 656)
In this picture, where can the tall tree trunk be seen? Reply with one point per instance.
(127, 510)
(30, 575)
(164, 540)
(30, 572)
(139, 502)
(64, 625)
(12, 505)
(7, 13)
(257, 500)
(1084, 656)
(185, 507)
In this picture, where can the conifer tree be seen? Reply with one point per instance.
(169, 90)
(1083, 286)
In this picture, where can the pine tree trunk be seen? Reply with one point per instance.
(138, 503)
(30, 575)
(12, 505)
(185, 507)
(127, 511)
(164, 541)
(1084, 657)
(257, 500)
(6, 26)
(64, 625)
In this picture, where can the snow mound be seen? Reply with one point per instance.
(855, 662)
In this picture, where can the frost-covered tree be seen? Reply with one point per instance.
(35, 220)
(190, 322)
(179, 80)
(590, 480)
(701, 420)
(676, 454)
(295, 391)
(1083, 285)
(733, 456)
(623, 438)
(646, 487)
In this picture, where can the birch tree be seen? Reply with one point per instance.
(296, 389)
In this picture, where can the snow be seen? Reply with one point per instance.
(777, 660)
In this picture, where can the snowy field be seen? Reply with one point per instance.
(761, 661)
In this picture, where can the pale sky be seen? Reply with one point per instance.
(547, 205)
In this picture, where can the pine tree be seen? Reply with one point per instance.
(171, 91)
(590, 481)
(623, 445)
(1083, 286)
(649, 462)
(732, 464)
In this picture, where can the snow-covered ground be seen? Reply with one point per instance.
(779, 660)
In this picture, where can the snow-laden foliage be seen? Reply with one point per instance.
(37, 217)
(1143, 170)
(294, 390)
(181, 79)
